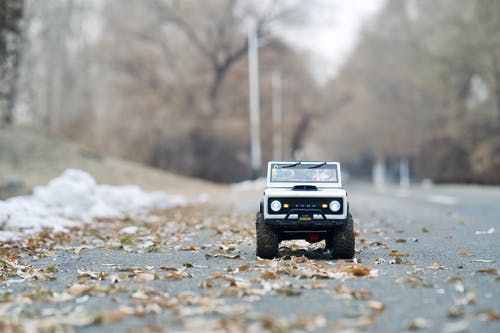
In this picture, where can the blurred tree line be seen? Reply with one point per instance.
(423, 85)
(165, 82)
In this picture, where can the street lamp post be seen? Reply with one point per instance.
(253, 83)
(277, 117)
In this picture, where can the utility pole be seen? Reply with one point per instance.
(253, 83)
(277, 117)
(378, 173)
(404, 173)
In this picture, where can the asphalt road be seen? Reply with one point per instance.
(427, 260)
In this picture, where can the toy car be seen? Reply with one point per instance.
(304, 200)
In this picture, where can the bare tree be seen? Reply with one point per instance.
(11, 12)
(217, 32)
(49, 75)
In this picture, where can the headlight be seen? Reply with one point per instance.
(275, 206)
(334, 206)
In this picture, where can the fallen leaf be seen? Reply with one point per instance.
(188, 248)
(437, 265)
(265, 263)
(459, 286)
(310, 323)
(424, 229)
(91, 275)
(244, 267)
(465, 254)
(232, 292)
(470, 298)
(456, 312)
(456, 327)
(409, 279)
(166, 268)
(176, 276)
(454, 278)
(399, 261)
(380, 244)
(129, 269)
(362, 294)
(342, 289)
(144, 277)
(357, 270)
(487, 271)
(376, 306)
(49, 268)
(60, 297)
(358, 294)
(315, 284)
(79, 289)
(485, 232)
(398, 254)
(140, 294)
(288, 291)
(268, 275)
(228, 256)
(111, 316)
(489, 315)
(208, 283)
(416, 324)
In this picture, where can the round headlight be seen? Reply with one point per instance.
(334, 206)
(275, 206)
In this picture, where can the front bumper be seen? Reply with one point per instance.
(295, 224)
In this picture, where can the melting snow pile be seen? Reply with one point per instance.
(249, 185)
(75, 198)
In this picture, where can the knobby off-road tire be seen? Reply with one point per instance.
(267, 239)
(341, 241)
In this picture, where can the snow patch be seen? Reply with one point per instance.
(249, 185)
(75, 198)
(442, 199)
(130, 230)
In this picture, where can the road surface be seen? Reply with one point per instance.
(427, 260)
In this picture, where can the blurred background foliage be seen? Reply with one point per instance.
(165, 83)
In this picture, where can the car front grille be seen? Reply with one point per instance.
(304, 204)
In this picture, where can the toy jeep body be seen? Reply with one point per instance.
(304, 200)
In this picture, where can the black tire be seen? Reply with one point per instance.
(341, 241)
(267, 239)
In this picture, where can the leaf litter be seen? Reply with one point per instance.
(139, 293)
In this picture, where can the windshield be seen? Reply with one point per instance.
(304, 172)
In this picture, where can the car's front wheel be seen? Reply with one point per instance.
(267, 239)
(341, 241)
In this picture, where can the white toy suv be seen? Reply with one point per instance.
(304, 200)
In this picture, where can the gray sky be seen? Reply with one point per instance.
(328, 38)
(332, 33)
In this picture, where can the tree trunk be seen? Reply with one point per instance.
(299, 134)
(496, 73)
(12, 97)
(215, 90)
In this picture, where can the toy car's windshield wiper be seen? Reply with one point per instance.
(317, 165)
(291, 165)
